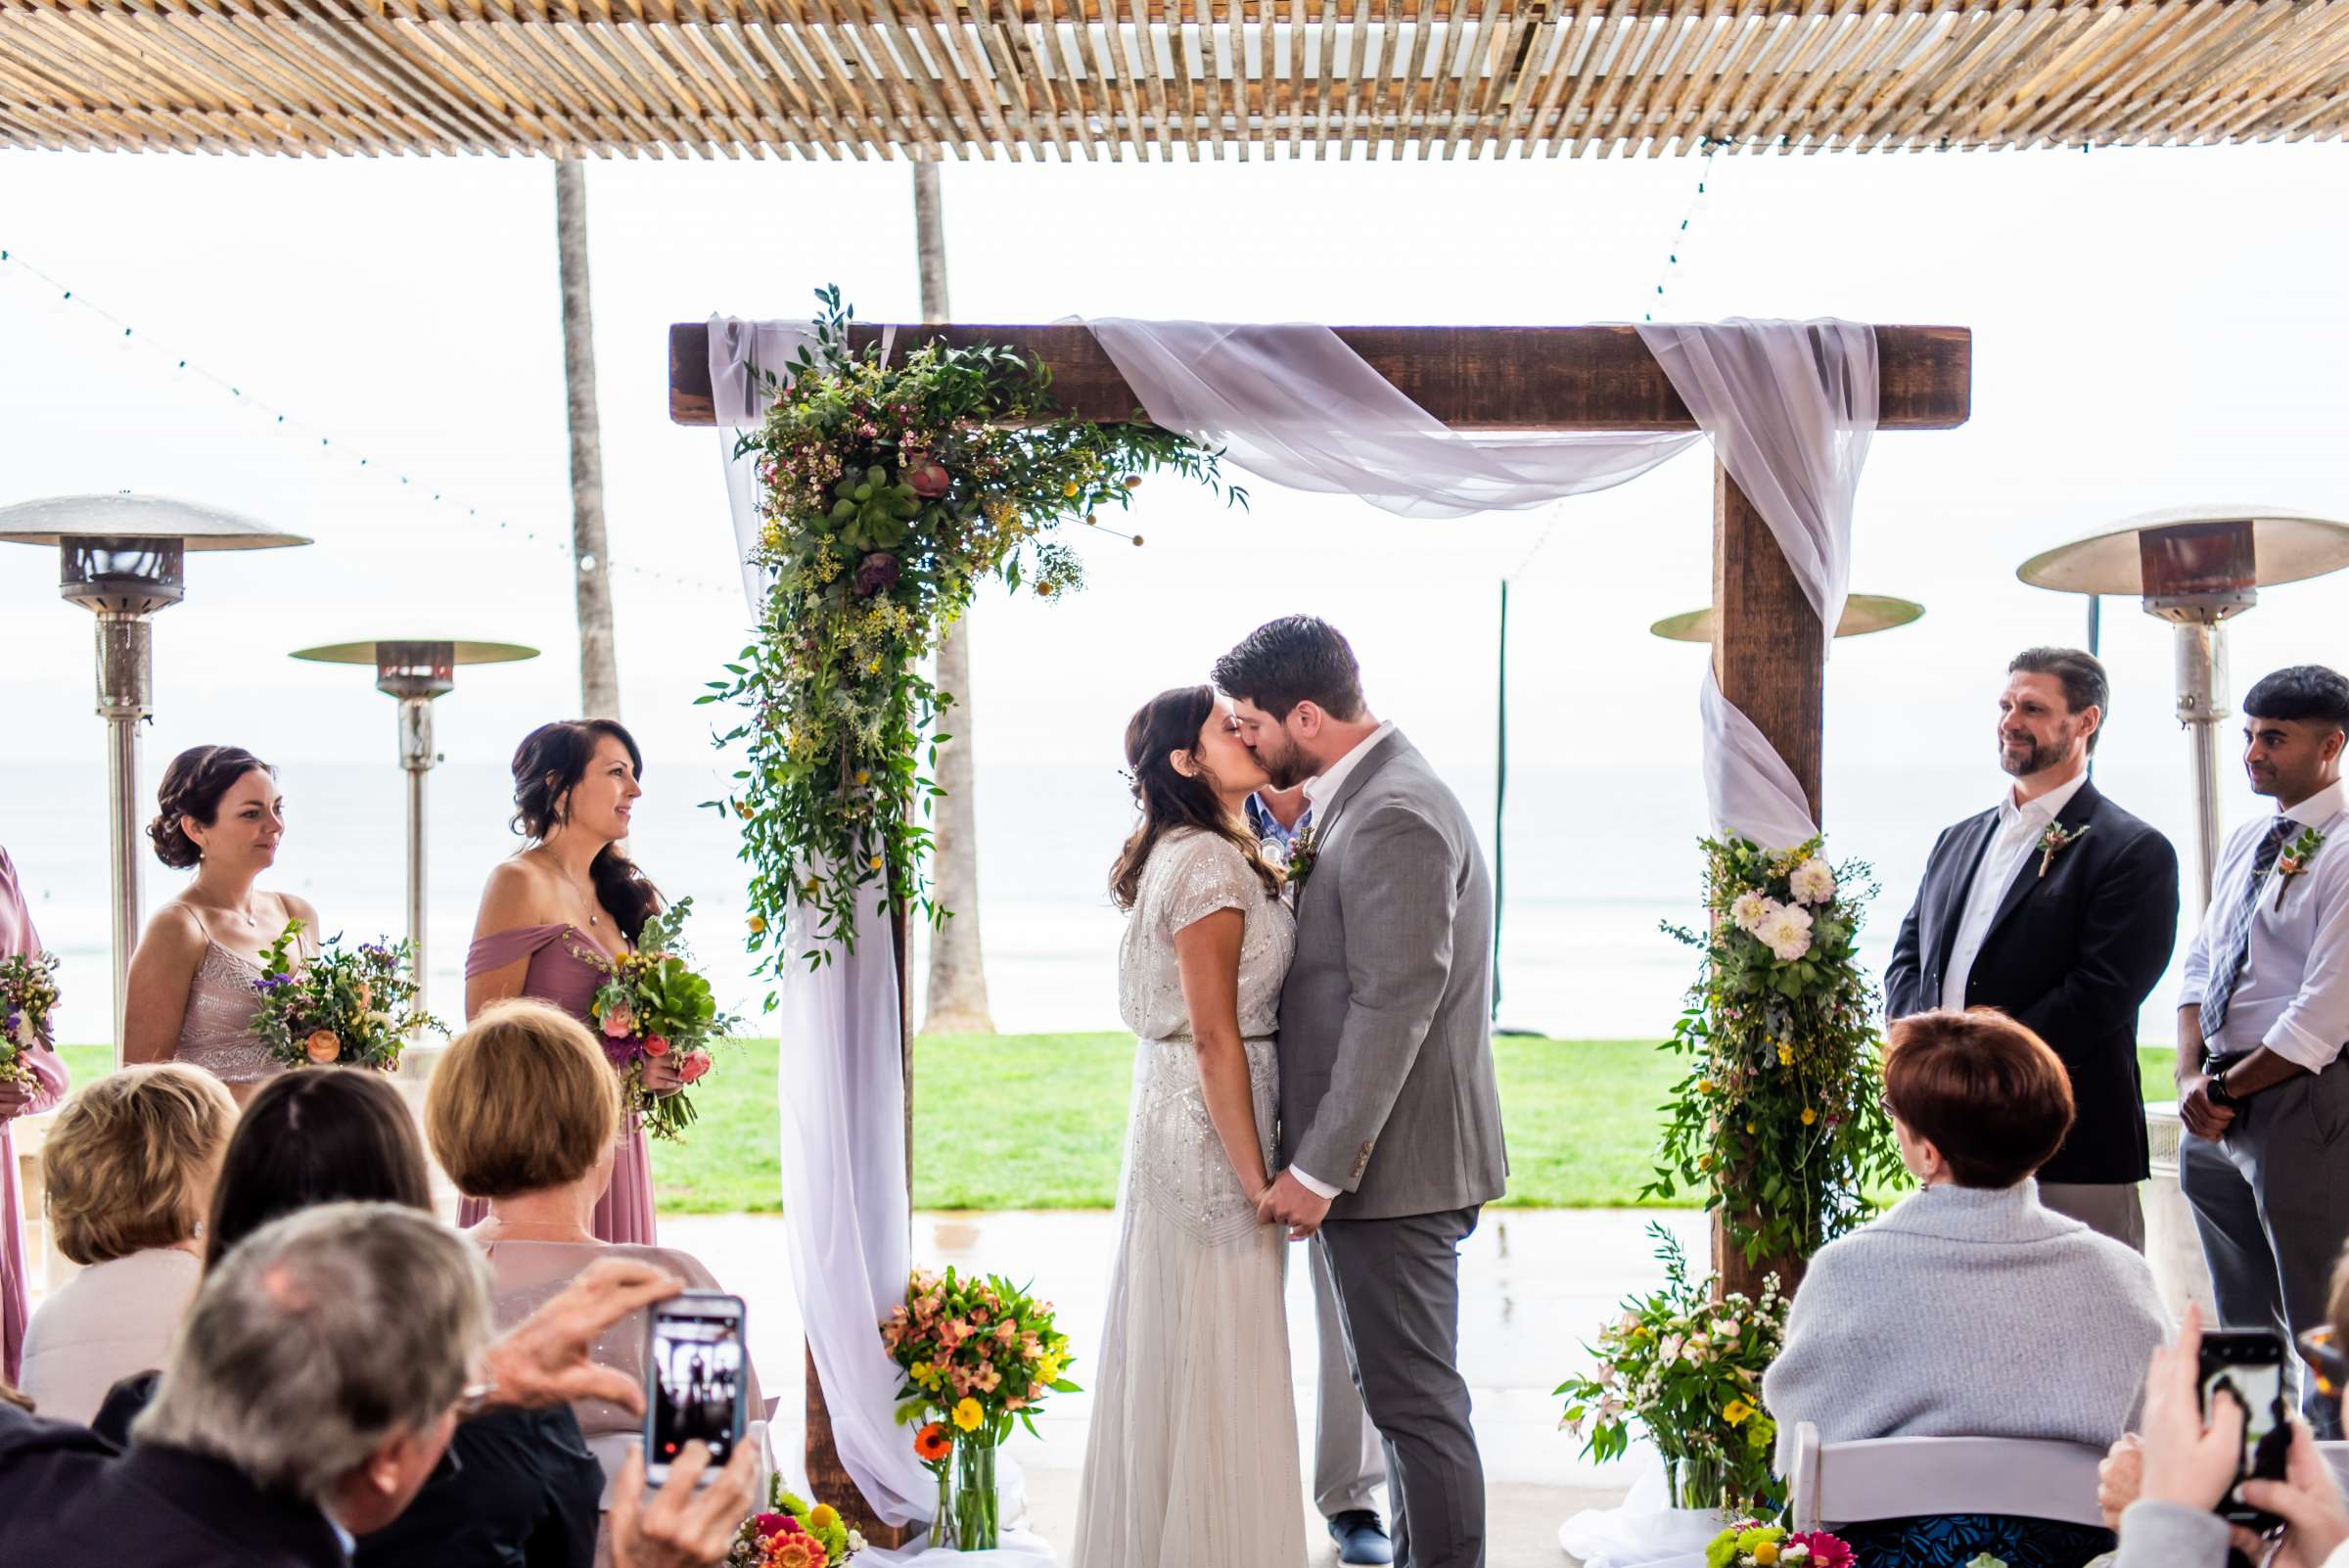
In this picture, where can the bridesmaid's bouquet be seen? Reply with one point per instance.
(343, 1008)
(27, 997)
(978, 1354)
(652, 1008)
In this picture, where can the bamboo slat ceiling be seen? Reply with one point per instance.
(1094, 78)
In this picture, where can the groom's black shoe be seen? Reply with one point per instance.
(1361, 1537)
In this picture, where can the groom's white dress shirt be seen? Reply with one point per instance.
(1318, 790)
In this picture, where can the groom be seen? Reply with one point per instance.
(1389, 1122)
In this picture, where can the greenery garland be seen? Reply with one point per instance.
(1780, 1122)
(889, 492)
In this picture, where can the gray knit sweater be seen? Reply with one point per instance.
(1967, 1312)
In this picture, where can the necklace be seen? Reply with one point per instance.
(593, 918)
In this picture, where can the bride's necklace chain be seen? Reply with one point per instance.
(244, 914)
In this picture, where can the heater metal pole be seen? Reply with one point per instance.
(125, 698)
(416, 756)
(2202, 706)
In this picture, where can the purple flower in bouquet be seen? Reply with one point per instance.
(875, 573)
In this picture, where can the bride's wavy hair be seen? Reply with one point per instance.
(550, 759)
(1167, 723)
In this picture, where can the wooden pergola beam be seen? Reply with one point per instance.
(1471, 378)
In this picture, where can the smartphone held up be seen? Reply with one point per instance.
(695, 1388)
(2247, 1367)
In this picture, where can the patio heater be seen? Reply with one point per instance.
(1862, 613)
(413, 671)
(124, 558)
(2197, 567)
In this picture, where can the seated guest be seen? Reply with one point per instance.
(1969, 1309)
(521, 1487)
(315, 1385)
(524, 1112)
(131, 1167)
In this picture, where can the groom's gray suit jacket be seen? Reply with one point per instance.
(1386, 1049)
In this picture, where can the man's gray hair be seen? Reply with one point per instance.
(319, 1336)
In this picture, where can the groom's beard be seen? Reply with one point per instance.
(2021, 762)
(1286, 768)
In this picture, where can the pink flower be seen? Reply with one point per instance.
(771, 1524)
(1827, 1551)
(930, 479)
(656, 1046)
(620, 1021)
(692, 1065)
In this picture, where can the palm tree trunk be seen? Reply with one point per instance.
(957, 1000)
(599, 664)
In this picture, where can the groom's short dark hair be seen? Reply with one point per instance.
(1297, 658)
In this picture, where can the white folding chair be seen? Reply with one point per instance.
(1907, 1478)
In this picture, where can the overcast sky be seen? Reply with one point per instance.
(2151, 328)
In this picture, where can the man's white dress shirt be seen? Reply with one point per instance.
(1319, 790)
(2294, 993)
(2012, 844)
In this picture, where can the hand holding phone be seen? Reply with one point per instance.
(2246, 1366)
(694, 1385)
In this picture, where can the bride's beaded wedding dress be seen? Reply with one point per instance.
(1192, 1457)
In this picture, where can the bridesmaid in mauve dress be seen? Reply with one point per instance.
(16, 936)
(191, 997)
(549, 911)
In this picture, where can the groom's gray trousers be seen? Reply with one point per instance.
(1399, 1281)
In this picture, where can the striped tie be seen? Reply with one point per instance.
(2238, 945)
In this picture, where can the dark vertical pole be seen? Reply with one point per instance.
(2095, 624)
(1500, 788)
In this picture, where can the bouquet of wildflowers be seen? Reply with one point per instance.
(343, 1008)
(27, 997)
(790, 1533)
(1751, 1543)
(1688, 1370)
(978, 1354)
(651, 1007)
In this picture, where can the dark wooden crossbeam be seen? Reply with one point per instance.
(1471, 378)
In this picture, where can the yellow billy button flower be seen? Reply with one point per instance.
(1704, 1085)
(968, 1415)
(1809, 1115)
(876, 862)
(864, 777)
(757, 925)
(1069, 489)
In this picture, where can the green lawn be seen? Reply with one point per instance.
(1035, 1121)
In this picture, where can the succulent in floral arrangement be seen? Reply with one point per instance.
(875, 573)
(929, 478)
(872, 514)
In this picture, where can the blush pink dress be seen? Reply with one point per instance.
(17, 936)
(623, 1214)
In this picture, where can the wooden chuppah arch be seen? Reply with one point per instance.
(1769, 650)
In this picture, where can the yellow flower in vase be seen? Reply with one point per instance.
(1736, 1412)
(968, 1415)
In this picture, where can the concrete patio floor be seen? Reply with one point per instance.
(1535, 1283)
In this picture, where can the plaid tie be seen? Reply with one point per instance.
(2237, 946)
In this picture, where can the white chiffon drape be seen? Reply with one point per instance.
(1789, 408)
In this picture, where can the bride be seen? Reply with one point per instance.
(1192, 1457)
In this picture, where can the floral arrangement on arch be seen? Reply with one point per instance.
(979, 1355)
(344, 1007)
(790, 1533)
(1751, 1543)
(1778, 1120)
(1687, 1368)
(28, 996)
(890, 491)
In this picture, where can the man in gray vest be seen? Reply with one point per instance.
(1390, 1120)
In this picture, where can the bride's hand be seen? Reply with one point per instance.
(661, 1074)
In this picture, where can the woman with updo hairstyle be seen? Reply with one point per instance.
(191, 995)
(569, 897)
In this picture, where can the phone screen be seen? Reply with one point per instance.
(2247, 1367)
(2261, 1388)
(697, 1384)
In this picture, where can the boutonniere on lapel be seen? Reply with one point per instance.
(1302, 850)
(2058, 838)
(2294, 861)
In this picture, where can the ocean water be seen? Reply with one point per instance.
(1595, 860)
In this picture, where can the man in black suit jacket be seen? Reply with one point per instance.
(2059, 909)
